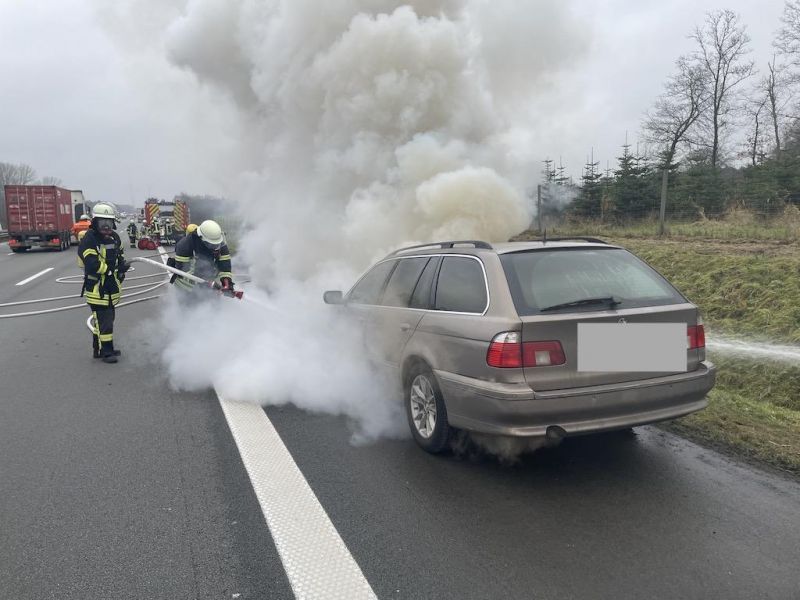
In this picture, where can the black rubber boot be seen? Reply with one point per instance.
(107, 353)
(113, 350)
(95, 347)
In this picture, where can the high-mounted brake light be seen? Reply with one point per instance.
(506, 351)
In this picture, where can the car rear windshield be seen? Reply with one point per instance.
(542, 279)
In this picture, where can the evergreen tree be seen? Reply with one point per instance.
(588, 201)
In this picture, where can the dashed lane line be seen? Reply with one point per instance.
(32, 277)
(316, 559)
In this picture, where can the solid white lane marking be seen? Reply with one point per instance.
(32, 277)
(11, 253)
(317, 562)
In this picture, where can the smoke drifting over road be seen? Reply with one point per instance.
(364, 125)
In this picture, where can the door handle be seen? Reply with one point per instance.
(405, 327)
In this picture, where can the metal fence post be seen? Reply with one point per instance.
(539, 205)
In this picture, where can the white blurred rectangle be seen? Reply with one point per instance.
(617, 347)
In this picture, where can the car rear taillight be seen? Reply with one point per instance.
(696, 336)
(55, 241)
(542, 354)
(506, 351)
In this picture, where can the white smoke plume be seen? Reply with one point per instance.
(364, 125)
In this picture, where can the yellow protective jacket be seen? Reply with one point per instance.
(101, 258)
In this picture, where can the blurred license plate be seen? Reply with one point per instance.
(616, 347)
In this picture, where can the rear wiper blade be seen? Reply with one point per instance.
(610, 300)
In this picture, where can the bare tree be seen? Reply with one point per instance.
(777, 88)
(723, 45)
(8, 174)
(675, 113)
(787, 38)
(50, 180)
(756, 140)
(26, 174)
(11, 174)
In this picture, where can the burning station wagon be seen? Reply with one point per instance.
(549, 338)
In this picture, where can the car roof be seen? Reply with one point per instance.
(477, 247)
(506, 247)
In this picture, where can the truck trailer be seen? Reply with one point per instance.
(38, 215)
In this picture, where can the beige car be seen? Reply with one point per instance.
(550, 338)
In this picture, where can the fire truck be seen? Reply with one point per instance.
(165, 221)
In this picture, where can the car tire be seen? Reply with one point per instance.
(425, 410)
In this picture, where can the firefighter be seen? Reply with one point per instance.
(132, 231)
(79, 228)
(203, 253)
(100, 252)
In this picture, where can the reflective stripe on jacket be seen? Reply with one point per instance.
(101, 259)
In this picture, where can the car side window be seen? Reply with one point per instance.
(421, 298)
(368, 290)
(461, 286)
(403, 280)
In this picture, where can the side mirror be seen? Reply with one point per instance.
(333, 297)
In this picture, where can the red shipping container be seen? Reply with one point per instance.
(38, 214)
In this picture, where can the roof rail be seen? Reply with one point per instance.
(573, 237)
(444, 245)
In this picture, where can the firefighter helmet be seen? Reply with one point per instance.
(102, 210)
(191, 228)
(84, 217)
(211, 234)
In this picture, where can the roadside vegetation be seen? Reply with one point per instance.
(748, 290)
(737, 225)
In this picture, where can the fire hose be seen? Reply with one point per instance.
(199, 280)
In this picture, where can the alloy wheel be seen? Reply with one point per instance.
(423, 406)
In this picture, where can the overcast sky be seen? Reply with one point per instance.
(71, 107)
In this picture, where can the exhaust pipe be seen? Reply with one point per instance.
(555, 434)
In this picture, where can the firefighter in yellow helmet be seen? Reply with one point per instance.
(100, 252)
(204, 253)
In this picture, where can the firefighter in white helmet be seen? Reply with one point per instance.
(100, 252)
(203, 253)
(79, 228)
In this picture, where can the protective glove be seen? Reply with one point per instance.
(227, 284)
(124, 265)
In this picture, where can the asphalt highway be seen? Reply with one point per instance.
(115, 486)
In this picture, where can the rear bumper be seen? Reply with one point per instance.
(516, 410)
(21, 240)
